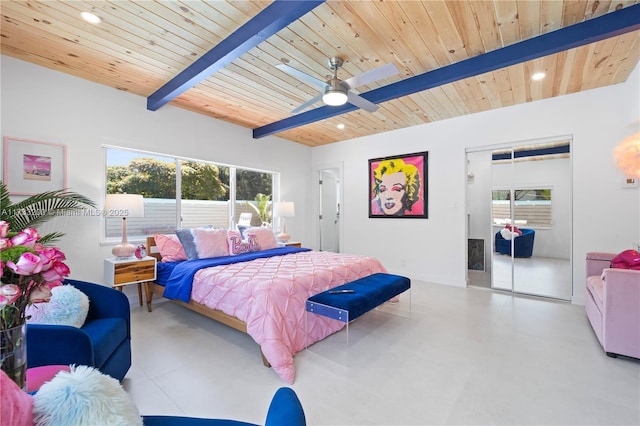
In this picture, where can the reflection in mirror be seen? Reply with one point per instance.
(528, 220)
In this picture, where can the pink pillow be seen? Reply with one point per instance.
(17, 405)
(38, 376)
(628, 259)
(238, 246)
(170, 248)
(265, 237)
(210, 242)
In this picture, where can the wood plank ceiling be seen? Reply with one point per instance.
(140, 45)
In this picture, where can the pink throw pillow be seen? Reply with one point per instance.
(238, 246)
(17, 405)
(170, 248)
(265, 237)
(210, 242)
(628, 259)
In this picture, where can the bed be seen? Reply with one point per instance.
(262, 294)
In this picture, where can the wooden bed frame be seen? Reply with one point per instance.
(152, 288)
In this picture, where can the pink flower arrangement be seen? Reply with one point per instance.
(28, 272)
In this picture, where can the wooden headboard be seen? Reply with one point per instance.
(152, 249)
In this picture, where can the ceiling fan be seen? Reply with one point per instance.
(337, 92)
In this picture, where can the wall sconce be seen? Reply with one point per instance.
(627, 155)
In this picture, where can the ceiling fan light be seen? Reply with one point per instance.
(334, 97)
(335, 93)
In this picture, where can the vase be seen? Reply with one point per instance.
(13, 354)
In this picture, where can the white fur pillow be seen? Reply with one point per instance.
(67, 306)
(506, 233)
(83, 396)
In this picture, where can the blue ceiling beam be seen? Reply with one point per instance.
(269, 21)
(596, 29)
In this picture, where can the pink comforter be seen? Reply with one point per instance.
(270, 296)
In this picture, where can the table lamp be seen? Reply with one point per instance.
(284, 209)
(124, 206)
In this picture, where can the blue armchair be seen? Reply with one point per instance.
(522, 245)
(285, 410)
(103, 342)
(84, 399)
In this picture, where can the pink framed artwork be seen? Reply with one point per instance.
(32, 167)
(398, 186)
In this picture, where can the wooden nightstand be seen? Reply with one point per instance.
(121, 272)
(293, 244)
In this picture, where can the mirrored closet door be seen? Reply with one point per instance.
(528, 231)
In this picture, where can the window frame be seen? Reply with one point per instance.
(232, 201)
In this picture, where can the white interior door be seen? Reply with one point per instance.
(329, 218)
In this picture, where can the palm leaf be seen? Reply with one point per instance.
(37, 209)
(44, 239)
(5, 201)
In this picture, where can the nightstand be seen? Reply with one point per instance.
(121, 272)
(293, 244)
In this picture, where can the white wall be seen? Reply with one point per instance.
(45, 105)
(605, 216)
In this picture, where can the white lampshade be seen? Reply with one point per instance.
(124, 206)
(284, 209)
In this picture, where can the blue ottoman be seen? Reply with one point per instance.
(351, 300)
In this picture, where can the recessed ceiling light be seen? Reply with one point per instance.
(538, 76)
(340, 126)
(90, 17)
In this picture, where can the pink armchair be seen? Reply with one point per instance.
(613, 305)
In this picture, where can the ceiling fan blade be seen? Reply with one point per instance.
(361, 102)
(302, 76)
(306, 104)
(371, 76)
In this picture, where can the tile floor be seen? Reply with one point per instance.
(539, 276)
(466, 356)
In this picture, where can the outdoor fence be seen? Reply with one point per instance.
(160, 217)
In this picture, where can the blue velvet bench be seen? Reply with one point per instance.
(351, 300)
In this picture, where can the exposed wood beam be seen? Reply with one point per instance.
(269, 21)
(596, 29)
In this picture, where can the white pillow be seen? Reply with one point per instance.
(67, 306)
(83, 396)
(506, 234)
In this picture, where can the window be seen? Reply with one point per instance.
(532, 207)
(253, 192)
(181, 193)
